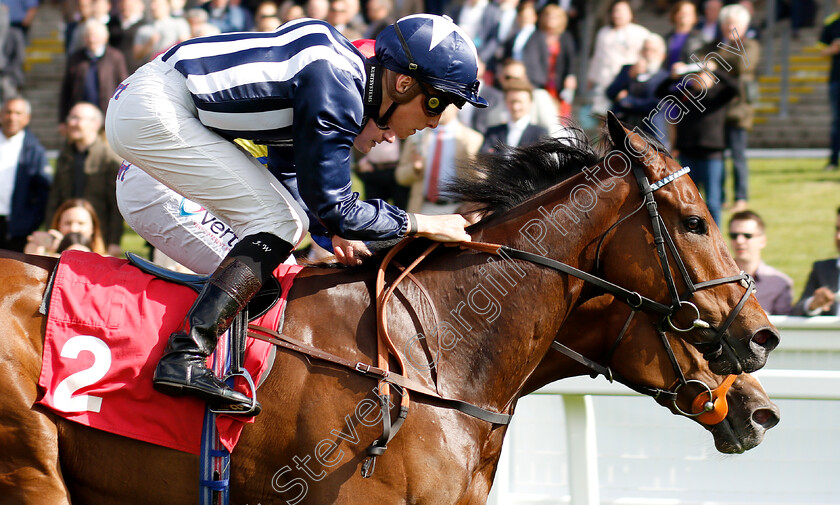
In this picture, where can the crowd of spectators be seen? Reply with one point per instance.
(529, 71)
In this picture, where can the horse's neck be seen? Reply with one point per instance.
(528, 303)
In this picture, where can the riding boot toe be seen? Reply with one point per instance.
(178, 375)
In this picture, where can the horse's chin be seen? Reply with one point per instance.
(734, 435)
(725, 365)
(727, 442)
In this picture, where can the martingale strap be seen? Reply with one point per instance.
(385, 376)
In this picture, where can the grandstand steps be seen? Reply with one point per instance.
(43, 70)
(808, 118)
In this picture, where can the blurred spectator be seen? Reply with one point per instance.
(802, 14)
(507, 28)
(12, 54)
(830, 40)
(122, 29)
(354, 14)
(549, 57)
(403, 8)
(819, 298)
(380, 14)
(339, 16)
(317, 9)
(177, 8)
(79, 11)
(87, 168)
(163, 32)
(700, 134)
(92, 73)
(683, 40)
(544, 110)
(753, 30)
(774, 289)
(526, 25)
(199, 22)
(228, 17)
(709, 25)
(96, 10)
(73, 216)
(518, 131)
(479, 19)
(495, 113)
(290, 10)
(432, 158)
(633, 91)
(24, 180)
(377, 170)
(739, 112)
(21, 14)
(575, 10)
(616, 45)
(266, 17)
(75, 241)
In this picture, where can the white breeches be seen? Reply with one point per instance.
(151, 122)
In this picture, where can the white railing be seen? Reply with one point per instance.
(588, 442)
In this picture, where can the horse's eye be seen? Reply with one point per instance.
(696, 225)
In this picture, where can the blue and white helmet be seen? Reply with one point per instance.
(434, 50)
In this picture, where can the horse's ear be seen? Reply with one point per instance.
(633, 143)
(618, 133)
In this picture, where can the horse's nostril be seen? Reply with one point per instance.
(766, 418)
(766, 339)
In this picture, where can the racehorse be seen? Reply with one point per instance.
(495, 322)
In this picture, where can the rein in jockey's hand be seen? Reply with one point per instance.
(445, 228)
(349, 252)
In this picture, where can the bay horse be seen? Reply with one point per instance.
(501, 317)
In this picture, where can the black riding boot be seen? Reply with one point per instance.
(183, 369)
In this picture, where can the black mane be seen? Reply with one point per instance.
(495, 183)
(498, 181)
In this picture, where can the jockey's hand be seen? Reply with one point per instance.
(349, 252)
(446, 228)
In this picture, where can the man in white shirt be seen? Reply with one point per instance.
(24, 180)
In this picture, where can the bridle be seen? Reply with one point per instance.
(637, 302)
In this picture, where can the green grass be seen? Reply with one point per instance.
(796, 198)
(798, 202)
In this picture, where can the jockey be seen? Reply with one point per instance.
(310, 95)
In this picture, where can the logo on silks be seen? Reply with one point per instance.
(189, 208)
(124, 166)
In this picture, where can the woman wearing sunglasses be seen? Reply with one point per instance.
(310, 95)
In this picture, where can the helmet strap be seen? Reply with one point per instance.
(373, 93)
(382, 122)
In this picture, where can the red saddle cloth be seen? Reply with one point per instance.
(107, 326)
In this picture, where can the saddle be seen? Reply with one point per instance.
(268, 296)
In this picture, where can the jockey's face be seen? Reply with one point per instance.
(411, 117)
(372, 135)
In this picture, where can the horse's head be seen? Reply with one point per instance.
(667, 247)
(735, 409)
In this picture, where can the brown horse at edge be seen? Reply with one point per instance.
(440, 455)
